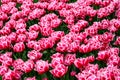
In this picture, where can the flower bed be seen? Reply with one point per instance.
(59, 40)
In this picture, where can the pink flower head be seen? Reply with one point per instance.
(117, 42)
(52, 5)
(37, 46)
(107, 37)
(4, 43)
(21, 38)
(26, 10)
(105, 3)
(79, 26)
(12, 37)
(57, 35)
(31, 78)
(62, 46)
(93, 77)
(73, 73)
(3, 16)
(5, 8)
(56, 61)
(59, 71)
(16, 16)
(12, 75)
(69, 19)
(73, 47)
(57, 58)
(55, 23)
(46, 31)
(114, 51)
(46, 43)
(13, 10)
(57, 55)
(21, 31)
(81, 62)
(6, 59)
(98, 2)
(5, 31)
(69, 59)
(34, 55)
(8, 75)
(5, 1)
(19, 47)
(34, 14)
(105, 24)
(92, 30)
(103, 55)
(113, 60)
(32, 35)
(3, 70)
(102, 12)
(85, 48)
(44, 78)
(16, 74)
(30, 44)
(91, 58)
(34, 27)
(11, 24)
(80, 37)
(20, 26)
(42, 5)
(41, 66)
(50, 21)
(28, 66)
(18, 64)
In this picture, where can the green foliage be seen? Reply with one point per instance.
(35, 1)
(72, 1)
(18, 6)
(62, 27)
(101, 64)
(22, 55)
(102, 31)
(84, 55)
(32, 22)
(111, 16)
(31, 74)
(47, 53)
(0, 2)
(96, 7)
(117, 33)
(0, 78)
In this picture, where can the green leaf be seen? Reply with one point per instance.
(32, 22)
(0, 3)
(35, 1)
(18, 6)
(72, 1)
(102, 31)
(62, 27)
(0, 77)
(111, 16)
(46, 55)
(24, 55)
(50, 76)
(95, 7)
(101, 64)
(14, 56)
(117, 33)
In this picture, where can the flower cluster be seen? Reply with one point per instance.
(57, 38)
